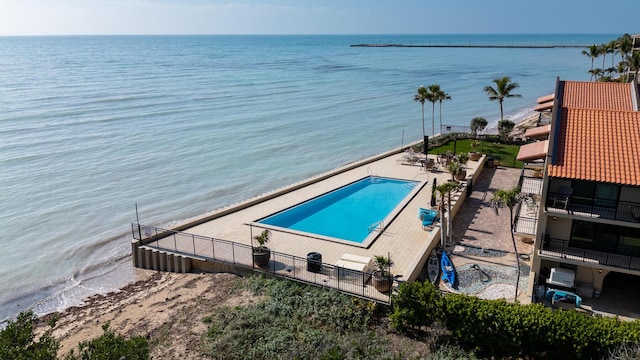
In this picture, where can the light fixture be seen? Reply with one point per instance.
(554, 218)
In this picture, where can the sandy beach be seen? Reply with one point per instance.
(164, 307)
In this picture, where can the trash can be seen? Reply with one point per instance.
(314, 262)
(489, 163)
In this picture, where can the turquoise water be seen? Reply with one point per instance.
(348, 213)
(183, 125)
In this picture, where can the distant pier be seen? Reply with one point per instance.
(472, 46)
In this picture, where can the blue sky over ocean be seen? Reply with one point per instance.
(100, 17)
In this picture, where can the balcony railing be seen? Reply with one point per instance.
(562, 203)
(561, 249)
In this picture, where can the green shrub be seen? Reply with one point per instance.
(496, 328)
(18, 341)
(110, 346)
(416, 304)
(294, 321)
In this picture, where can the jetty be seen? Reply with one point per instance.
(478, 46)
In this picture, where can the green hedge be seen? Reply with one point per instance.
(496, 328)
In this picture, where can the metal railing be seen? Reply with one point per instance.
(306, 270)
(562, 249)
(593, 208)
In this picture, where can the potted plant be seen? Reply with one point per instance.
(463, 158)
(474, 155)
(261, 253)
(382, 278)
(457, 170)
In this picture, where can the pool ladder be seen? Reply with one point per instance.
(376, 225)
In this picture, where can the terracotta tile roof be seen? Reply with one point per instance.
(598, 145)
(597, 95)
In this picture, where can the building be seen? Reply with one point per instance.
(586, 204)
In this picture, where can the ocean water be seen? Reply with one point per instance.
(90, 126)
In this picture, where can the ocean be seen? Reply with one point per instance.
(91, 126)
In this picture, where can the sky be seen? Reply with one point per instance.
(119, 17)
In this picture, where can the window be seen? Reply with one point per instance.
(596, 194)
(582, 234)
(604, 237)
(583, 192)
(606, 195)
(629, 242)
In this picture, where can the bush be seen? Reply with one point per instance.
(416, 304)
(504, 128)
(294, 321)
(110, 346)
(17, 340)
(496, 328)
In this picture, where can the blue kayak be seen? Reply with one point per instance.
(448, 272)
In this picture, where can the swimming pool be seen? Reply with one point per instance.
(349, 213)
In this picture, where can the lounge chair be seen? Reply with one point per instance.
(409, 158)
(428, 218)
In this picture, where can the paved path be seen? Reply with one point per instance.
(481, 237)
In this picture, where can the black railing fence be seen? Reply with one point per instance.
(561, 202)
(562, 249)
(306, 270)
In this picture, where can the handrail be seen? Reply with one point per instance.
(560, 248)
(375, 225)
(612, 209)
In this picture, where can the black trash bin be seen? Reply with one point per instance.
(314, 262)
(489, 163)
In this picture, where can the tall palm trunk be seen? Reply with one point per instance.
(433, 119)
(515, 250)
(440, 117)
(423, 130)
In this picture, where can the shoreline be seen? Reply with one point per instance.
(124, 274)
(145, 304)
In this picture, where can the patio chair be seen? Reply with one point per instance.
(428, 218)
(410, 158)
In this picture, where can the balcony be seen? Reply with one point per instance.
(564, 203)
(530, 184)
(560, 249)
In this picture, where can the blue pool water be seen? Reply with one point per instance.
(347, 213)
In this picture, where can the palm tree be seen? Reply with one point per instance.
(432, 91)
(603, 50)
(612, 48)
(621, 69)
(597, 73)
(422, 96)
(625, 45)
(509, 199)
(445, 190)
(441, 96)
(503, 89)
(593, 53)
(633, 62)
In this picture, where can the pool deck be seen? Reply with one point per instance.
(403, 238)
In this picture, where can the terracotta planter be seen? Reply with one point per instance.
(474, 156)
(381, 283)
(461, 176)
(261, 257)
